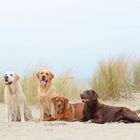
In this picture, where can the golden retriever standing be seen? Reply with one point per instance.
(16, 108)
(45, 93)
(64, 111)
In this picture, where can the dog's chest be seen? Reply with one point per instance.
(45, 96)
(11, 98)
(90, 113)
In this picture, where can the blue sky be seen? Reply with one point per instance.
(65, 34)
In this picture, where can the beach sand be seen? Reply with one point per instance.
(70, 130)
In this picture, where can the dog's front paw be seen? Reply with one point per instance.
(83, 120)
(22, 121)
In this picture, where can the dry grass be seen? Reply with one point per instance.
(137, 76)
(64, 84)
(111, 78)
(29, 84)
(67, 86)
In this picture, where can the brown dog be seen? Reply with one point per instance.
(64, 111)
(100, 113)
(45, 93)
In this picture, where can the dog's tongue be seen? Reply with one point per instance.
(85, 100)
(43, 83)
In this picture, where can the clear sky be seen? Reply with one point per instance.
(65, 34)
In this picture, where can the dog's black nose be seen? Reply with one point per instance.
(6, 78)
(43, 77)
(82, 95)
(59, 106)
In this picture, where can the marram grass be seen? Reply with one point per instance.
(66, 85)
(111, 78)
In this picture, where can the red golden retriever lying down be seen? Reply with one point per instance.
(64, 111)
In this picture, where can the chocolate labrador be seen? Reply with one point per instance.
(101, 113)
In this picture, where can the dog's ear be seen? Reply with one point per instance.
(53, 99)
(96, 96)
(66, 101)
(16, 77)
(51, 75)
(37, 75)
(3, 76)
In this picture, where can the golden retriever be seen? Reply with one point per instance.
(16, 107)
(64, 111)
(45, 93)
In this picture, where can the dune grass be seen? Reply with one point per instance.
(111, 78)
(66, 85)
(29, 84)
(137, 76)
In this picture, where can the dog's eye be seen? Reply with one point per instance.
(47, 74)
(41, 73)
(11, 74)
(56, 100)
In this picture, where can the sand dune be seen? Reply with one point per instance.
(69, 131)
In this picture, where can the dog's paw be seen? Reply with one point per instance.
(22, 121)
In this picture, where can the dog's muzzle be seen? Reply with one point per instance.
(8, 83)
(84, 99)
(43, 82)
(6, 78)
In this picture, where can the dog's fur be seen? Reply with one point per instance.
(45, 93)
(64, 111)
(16, 107)
(100, 113)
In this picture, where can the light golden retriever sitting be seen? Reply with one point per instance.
(16, 107)
(45, 93)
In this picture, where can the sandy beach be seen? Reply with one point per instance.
(70, 131)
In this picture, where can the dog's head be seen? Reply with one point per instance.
(60, 103)
(89, 96)
(10, 78)
(44, 76)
